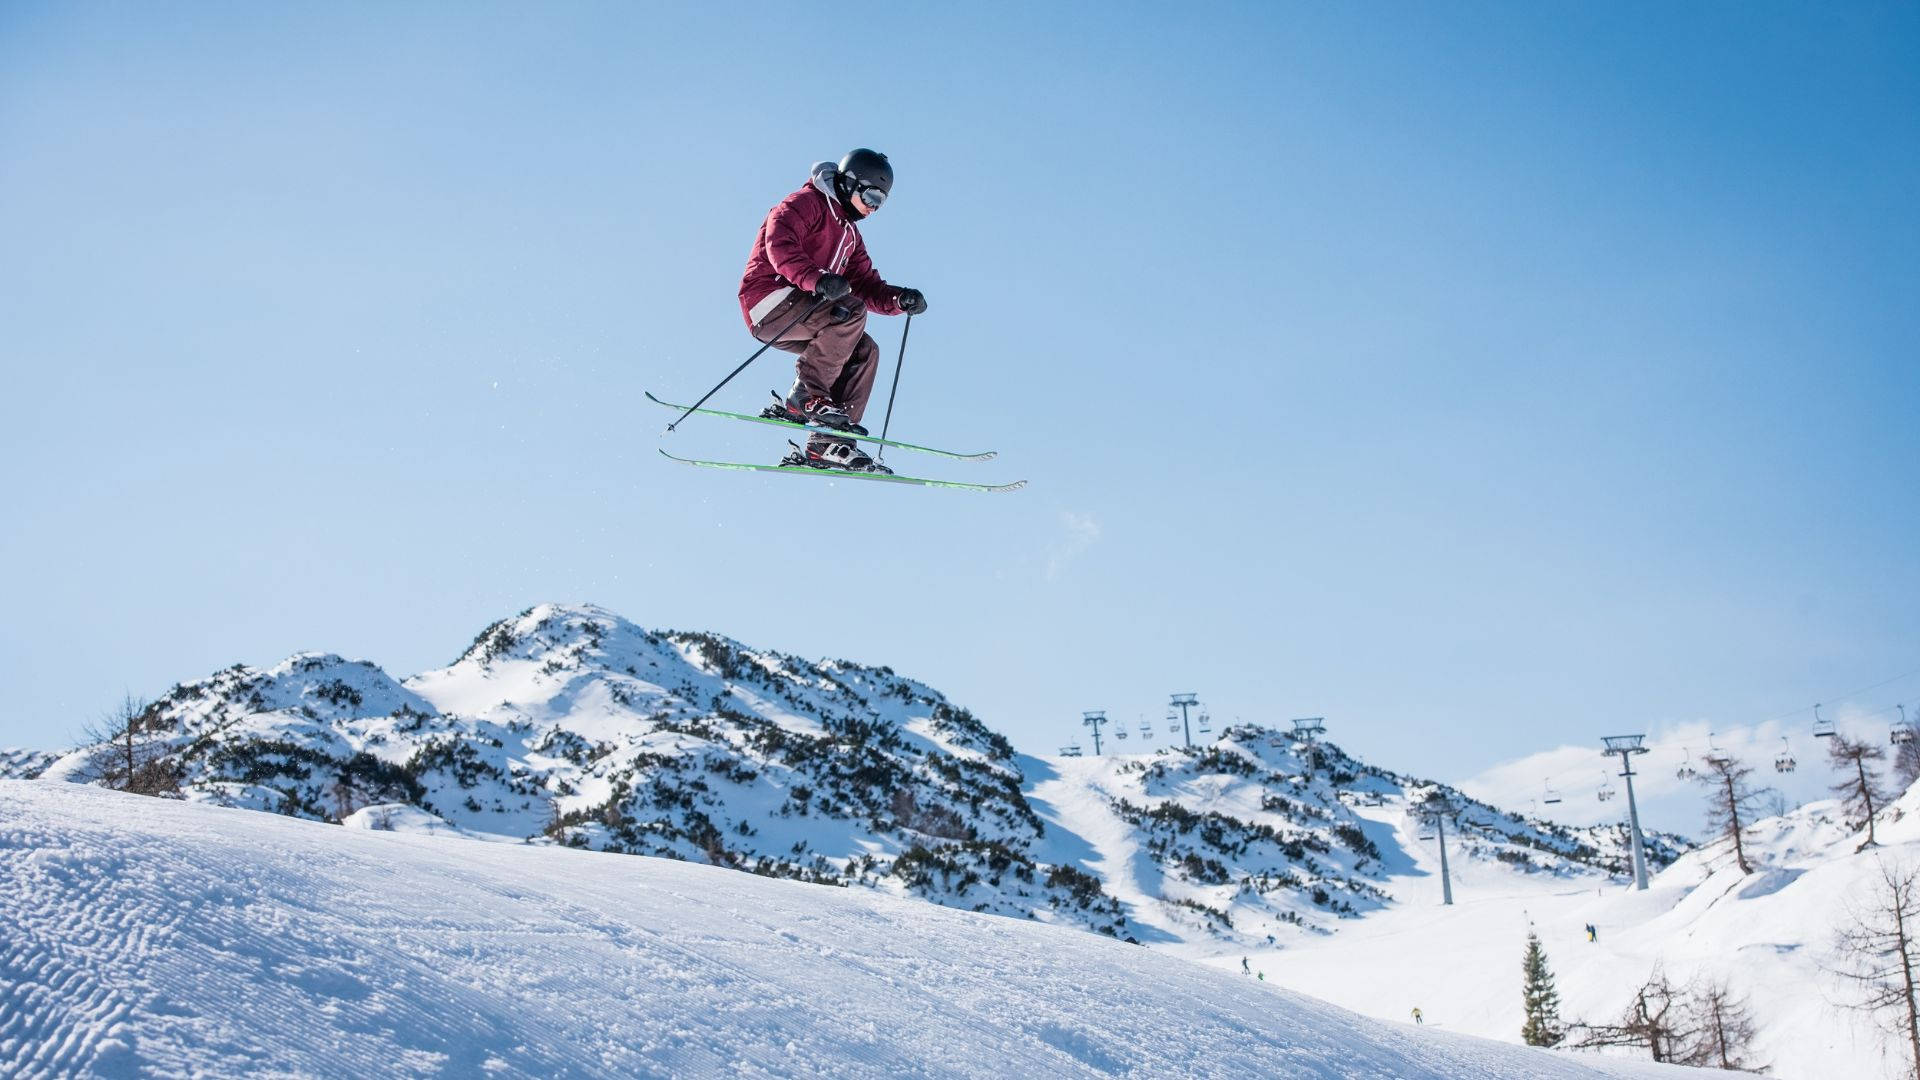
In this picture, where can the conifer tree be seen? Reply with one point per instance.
(1542, 1027)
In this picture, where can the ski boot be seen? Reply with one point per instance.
(832, 452)
(815, 410)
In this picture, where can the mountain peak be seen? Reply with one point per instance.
(546, 632)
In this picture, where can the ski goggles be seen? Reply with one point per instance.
(872, 195)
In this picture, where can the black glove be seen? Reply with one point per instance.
(912, 302)
(831, 287)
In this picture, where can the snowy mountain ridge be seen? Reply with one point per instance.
(19, 764)
(1259, 838)
(568, 724)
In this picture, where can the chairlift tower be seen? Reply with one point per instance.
(1182, 702)
(1434, 811)
(1626, 746)
(1094, 719)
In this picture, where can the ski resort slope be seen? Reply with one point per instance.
(154, 937)
(1768, 935)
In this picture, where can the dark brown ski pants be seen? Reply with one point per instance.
(838, 358)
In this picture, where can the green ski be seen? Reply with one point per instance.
(791, 426)
(842, 474)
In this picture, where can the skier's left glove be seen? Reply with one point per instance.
(912, 302)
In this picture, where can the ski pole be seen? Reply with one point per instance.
(908, 329)
(743, 364)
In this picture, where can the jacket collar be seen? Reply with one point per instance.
(822, 179)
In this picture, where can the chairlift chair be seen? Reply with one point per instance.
(1173, 723)
(1686, 771)
(1901, 736)
(1205, 722)
(1070, 751)
(1784, 763)
(1606, 789)
(1549, 796)
(1119, 732)
(1822, 729)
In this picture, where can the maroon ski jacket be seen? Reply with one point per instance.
(807, 235)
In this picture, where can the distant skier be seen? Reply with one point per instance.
(1592, 934)
(809, 250)
(1416, 1015)
(1244, 969)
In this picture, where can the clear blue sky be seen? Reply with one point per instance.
(1478, 376)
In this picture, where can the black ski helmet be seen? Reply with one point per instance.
(864, 172)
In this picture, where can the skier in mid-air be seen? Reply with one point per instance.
(809, 252)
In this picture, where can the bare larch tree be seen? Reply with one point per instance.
(1701, 1024)
(1725, 1028)
(1732, 803)
(1656, 1019)
(128, 754)
(1859, 788)
(1876, 952)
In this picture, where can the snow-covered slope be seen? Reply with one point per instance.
(161, 937)
(1768, 935)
